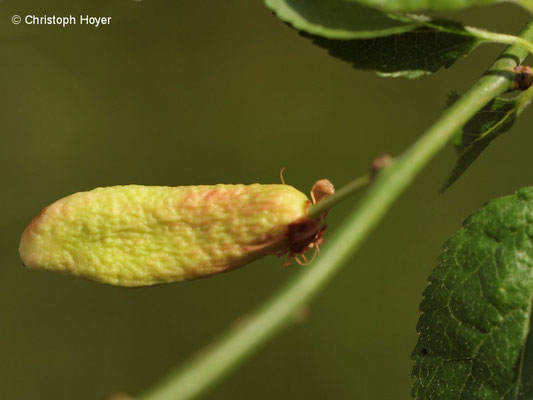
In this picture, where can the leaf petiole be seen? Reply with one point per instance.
(503, 38)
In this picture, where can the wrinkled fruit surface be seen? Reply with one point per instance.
(143, 235)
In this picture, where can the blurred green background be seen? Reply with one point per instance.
(182, 92)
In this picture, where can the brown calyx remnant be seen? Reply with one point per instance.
(379, 163)
(306, 233)
(523, 77)
(322, 189)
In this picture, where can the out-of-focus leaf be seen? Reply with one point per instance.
(417, 5)
(339, 19)
(424, 50)
(372, 40)
(476, 311)
(495, 118)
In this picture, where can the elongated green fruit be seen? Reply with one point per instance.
(143, 235)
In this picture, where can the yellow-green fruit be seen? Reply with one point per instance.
(143, 235)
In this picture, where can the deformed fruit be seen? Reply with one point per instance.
(143, 235)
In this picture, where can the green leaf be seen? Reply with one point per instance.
(495, 118)
(372, 40)
(339, 19)
(476, 311)
(411, 54)
(417, 5)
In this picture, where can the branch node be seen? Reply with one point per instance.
(523, 77)
(379, 163)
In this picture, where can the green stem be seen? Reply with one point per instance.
(495, 37)
(206, 368)
(482, 34)
(351, 188)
